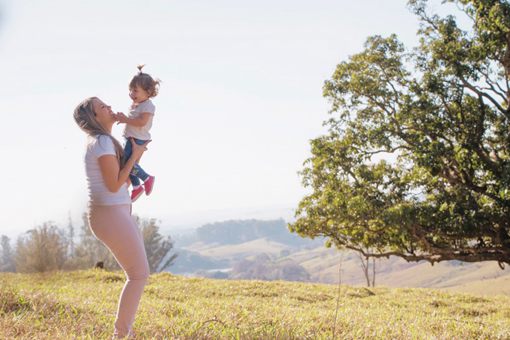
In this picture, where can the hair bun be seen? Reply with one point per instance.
(139, 67)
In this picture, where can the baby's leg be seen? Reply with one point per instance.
(138, 171)
(139, 142)
(128, 150)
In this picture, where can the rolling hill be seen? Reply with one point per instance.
(218, 247)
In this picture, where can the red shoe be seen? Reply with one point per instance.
(149, 184)
(136, 193)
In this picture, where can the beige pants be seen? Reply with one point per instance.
(116, 228)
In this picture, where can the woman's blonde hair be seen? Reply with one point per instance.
(85, 117)
(146, 82)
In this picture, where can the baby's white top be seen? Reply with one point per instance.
(98, 192)
(140, 132)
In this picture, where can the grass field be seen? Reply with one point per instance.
(67, 305)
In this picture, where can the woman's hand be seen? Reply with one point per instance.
(138, 150)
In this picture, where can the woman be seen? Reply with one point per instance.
(110, 204)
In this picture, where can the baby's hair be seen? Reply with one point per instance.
(145, 81)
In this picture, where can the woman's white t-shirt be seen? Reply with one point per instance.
(98, 192)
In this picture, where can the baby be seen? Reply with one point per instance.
(138, 124)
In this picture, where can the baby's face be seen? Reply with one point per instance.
(138, 94)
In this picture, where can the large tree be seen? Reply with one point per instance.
(416, 160)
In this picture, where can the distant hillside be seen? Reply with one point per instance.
(488, 286)
(188, 262)
(215, 249)
(231, 249)
(82, 304)
(241, 250)
(323, 266)
(202, 259)
(241, 231)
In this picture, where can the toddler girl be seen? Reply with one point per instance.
(138, 123)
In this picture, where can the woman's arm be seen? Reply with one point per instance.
(113, 176)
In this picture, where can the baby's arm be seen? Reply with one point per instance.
(139, 121)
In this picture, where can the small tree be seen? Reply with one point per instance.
(6, 256)
(41, 249)
(157, 247)
(365, 267)
(70, 237)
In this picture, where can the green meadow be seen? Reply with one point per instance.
(82, 304)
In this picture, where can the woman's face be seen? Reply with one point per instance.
(104, 113)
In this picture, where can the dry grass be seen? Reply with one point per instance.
(82, 305)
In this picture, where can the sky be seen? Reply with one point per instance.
(240, 99)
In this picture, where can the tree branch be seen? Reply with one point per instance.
(466, 255)
(499, 91)
(485, 95)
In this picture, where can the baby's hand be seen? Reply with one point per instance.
(121, 118)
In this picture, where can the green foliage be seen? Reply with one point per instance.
(416, 162)
(82, 305)
(41, 249)
(48, 248)
(157, 247)
(6, 255)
